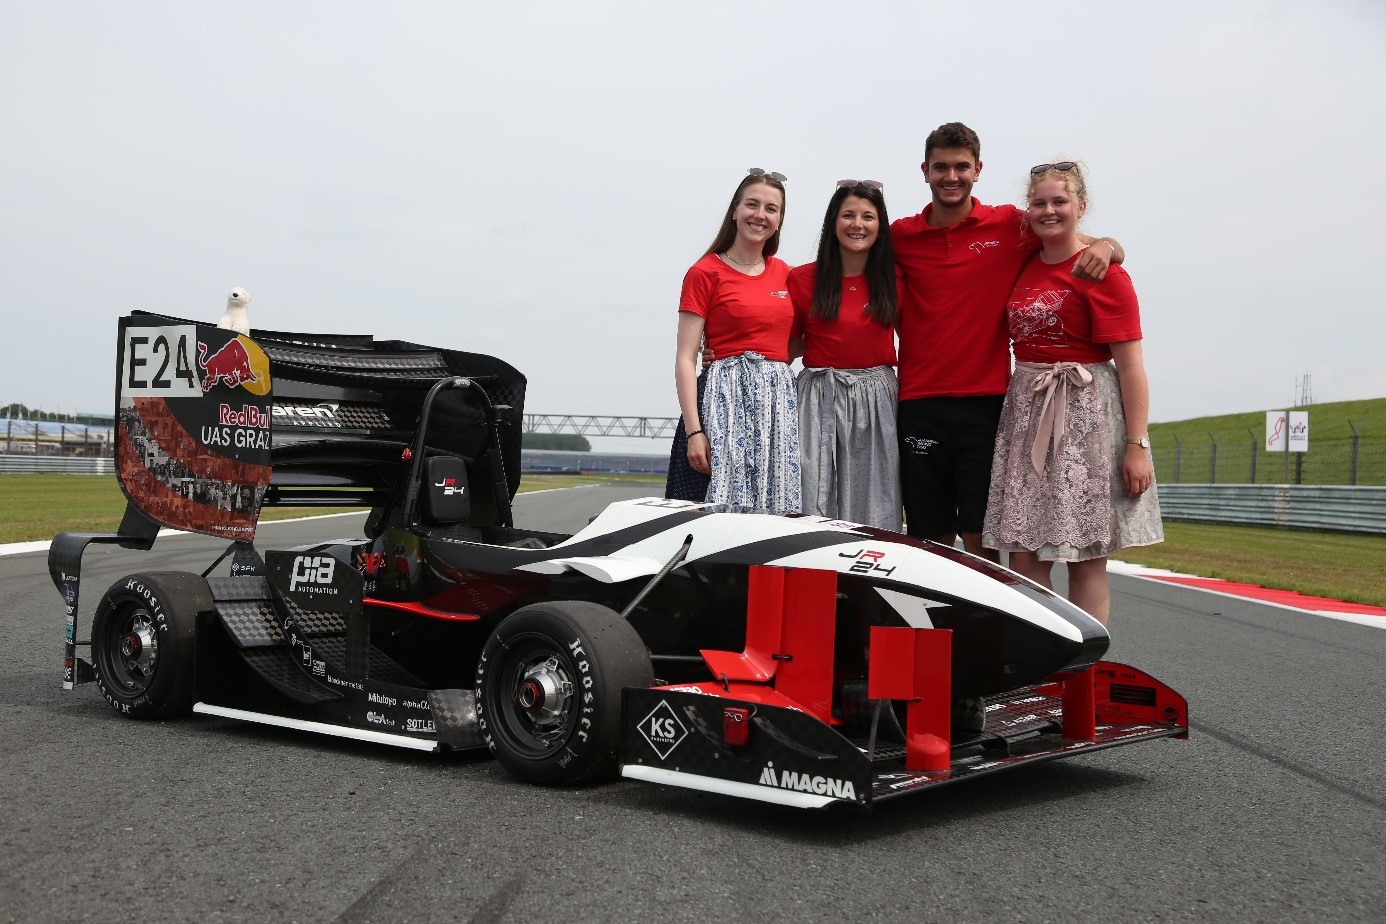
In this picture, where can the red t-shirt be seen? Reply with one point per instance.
(854, 340)
(1055, 318)
(953, 314)
(741, 314)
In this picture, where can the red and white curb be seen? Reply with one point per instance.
(1361, 613)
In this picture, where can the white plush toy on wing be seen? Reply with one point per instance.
(236, 317)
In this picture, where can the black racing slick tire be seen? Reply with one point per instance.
(144, 643)
(548, 690)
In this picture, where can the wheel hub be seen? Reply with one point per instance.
(139, 649)
(543, 693)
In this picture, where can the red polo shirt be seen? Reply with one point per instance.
(741, 314)
(956, 282)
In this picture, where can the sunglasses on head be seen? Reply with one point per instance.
(757, 171)
(1062, 166)
(852, 184)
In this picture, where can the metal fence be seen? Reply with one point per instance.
(1350, 458)
(21, 464)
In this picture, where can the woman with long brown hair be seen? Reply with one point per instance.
(744, 432)
(845, 311)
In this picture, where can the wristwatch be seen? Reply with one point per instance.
(1143, 442)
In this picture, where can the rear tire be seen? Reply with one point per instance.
(548, 690)
(144, 643)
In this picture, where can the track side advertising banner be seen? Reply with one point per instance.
(193, 425)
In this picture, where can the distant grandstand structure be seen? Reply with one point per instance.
(536, 461)
(24, 436)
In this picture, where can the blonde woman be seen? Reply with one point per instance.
(1072, 478)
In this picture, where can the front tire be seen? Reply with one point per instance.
(144, 643)
(548, 690)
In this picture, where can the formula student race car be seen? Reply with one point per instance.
(791, 659)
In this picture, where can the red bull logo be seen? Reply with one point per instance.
(230, 364)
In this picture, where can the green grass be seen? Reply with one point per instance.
(1344, 566)
(39, 507)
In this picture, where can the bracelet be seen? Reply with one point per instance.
(689, 436)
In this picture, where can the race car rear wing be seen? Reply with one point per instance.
(337, 417)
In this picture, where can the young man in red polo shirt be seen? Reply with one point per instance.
(959, 260)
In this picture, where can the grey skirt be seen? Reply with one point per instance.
(1076, 509)
(850, 454)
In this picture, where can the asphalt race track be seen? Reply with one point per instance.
(1273, 810)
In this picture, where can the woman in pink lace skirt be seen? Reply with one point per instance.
(1072, 478)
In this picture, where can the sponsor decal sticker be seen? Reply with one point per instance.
(803, 782)
(313, 574)
(230, 365)
(300, 415)
(663, 729)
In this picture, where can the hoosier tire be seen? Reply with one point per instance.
(548, 690)
(144, 643)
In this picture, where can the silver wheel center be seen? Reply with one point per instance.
(140, 648)
(543, 693)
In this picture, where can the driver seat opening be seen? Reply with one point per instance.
(447, 508)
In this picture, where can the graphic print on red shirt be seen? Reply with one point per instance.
(1054, 317)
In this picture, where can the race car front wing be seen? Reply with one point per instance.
(747, 740)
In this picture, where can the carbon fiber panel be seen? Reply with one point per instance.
(382, 667)
(421, 364)
(454, 712)
(277, 666)
(244, 606)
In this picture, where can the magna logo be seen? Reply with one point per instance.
(311, 572)
(802, 782)
(663, 730)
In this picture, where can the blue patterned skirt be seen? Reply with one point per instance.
(751, 416)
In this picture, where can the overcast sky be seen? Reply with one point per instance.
(532, 180)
